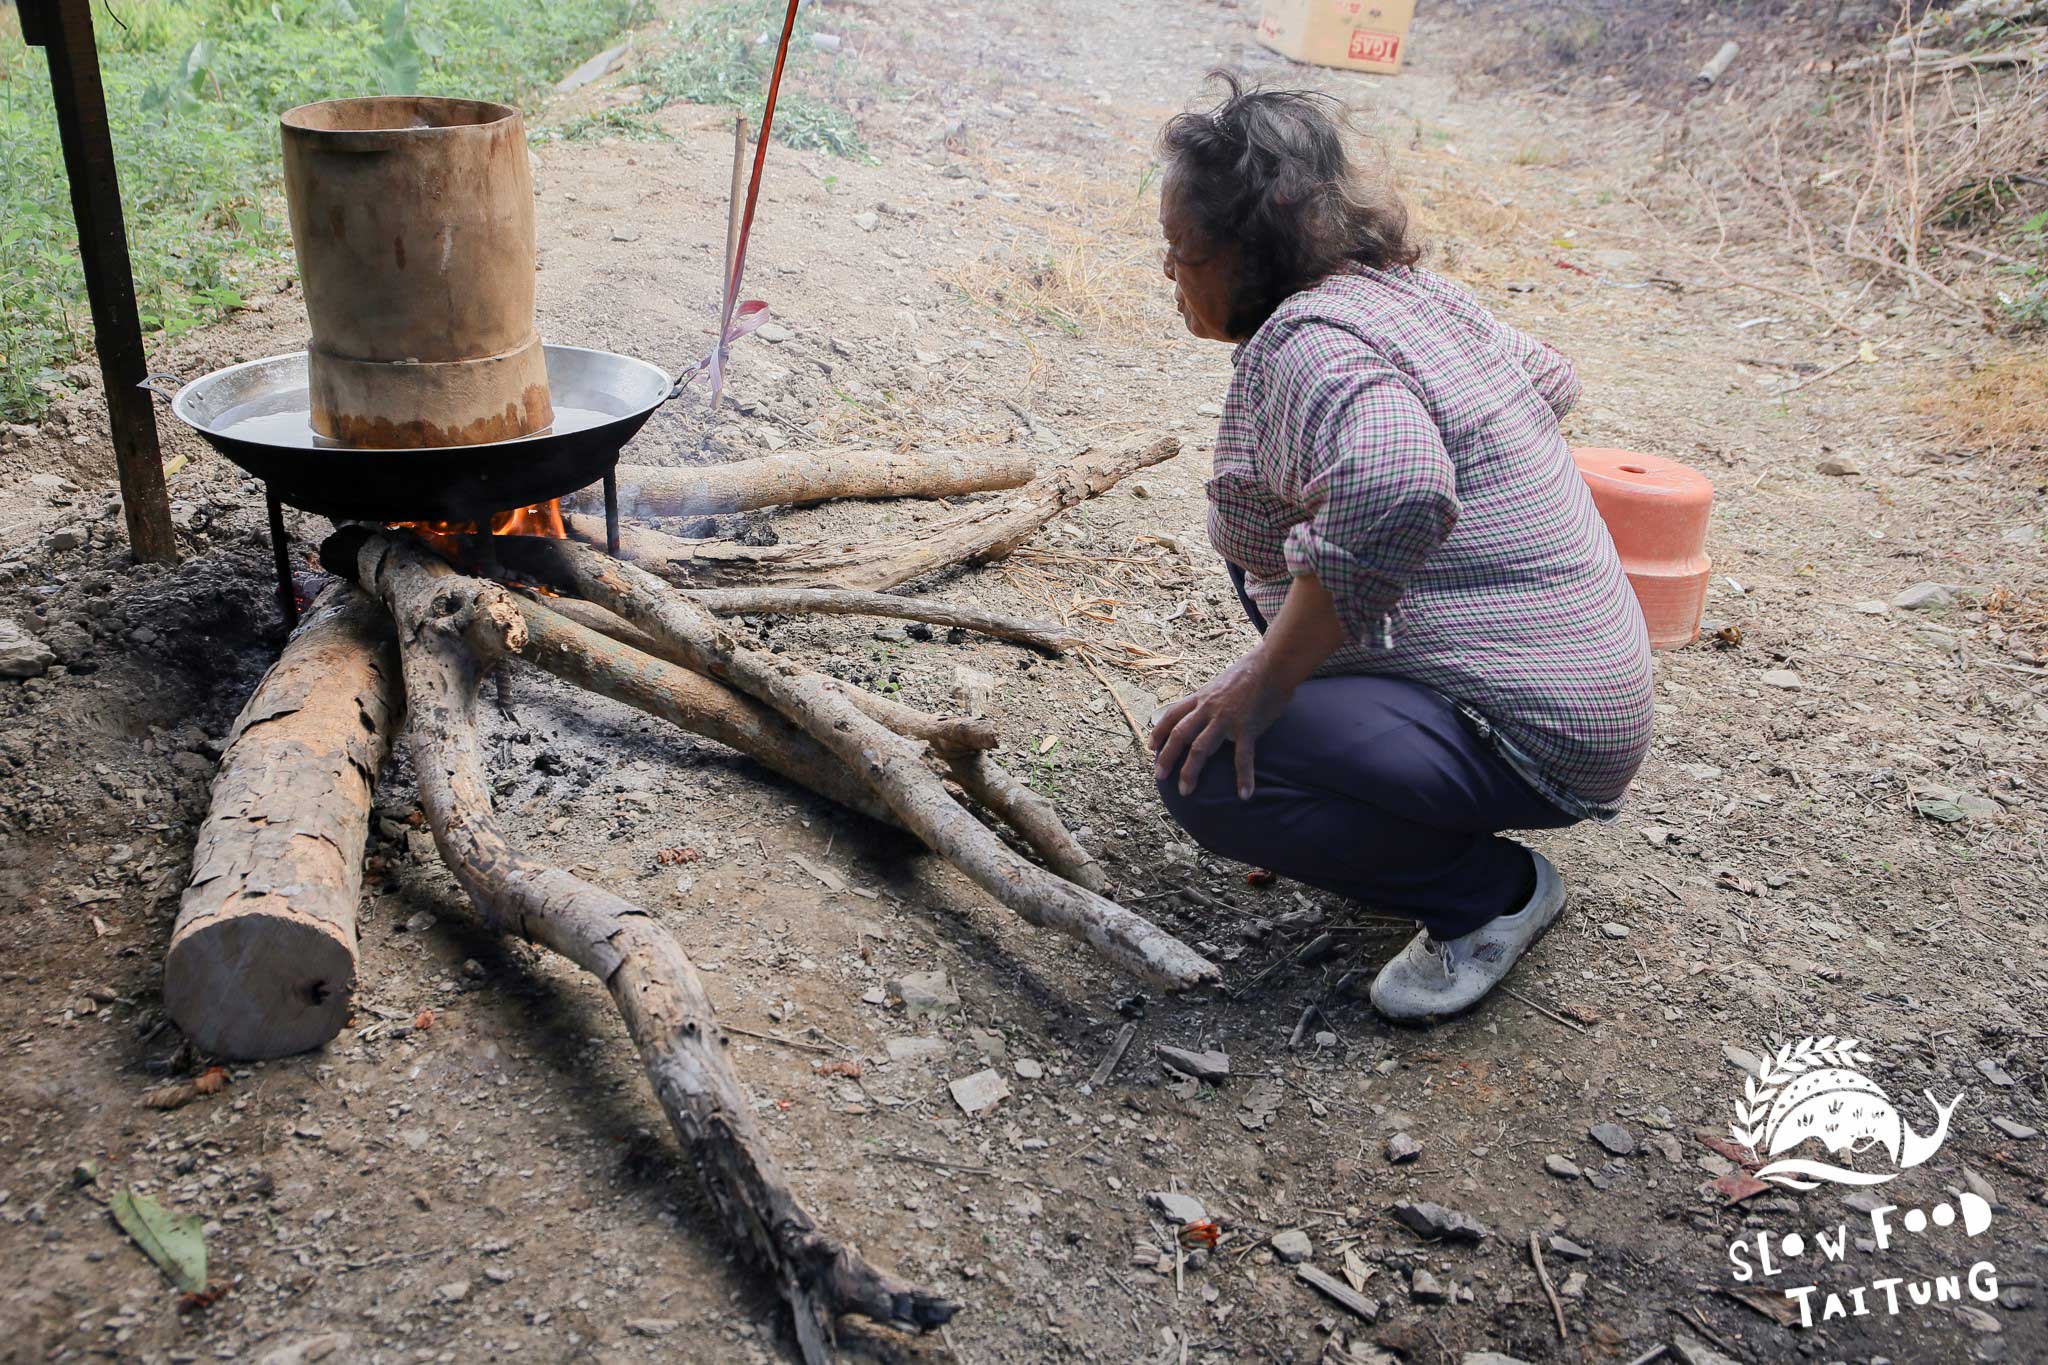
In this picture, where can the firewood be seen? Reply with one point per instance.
(890, 764)
(262, 961)
(1031, 815)
(1043, 635)
(814, 476)
(988, 532)
(452, 630)
(579, 655)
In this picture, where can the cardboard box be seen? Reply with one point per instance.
(1357, 35)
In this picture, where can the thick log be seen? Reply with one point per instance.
(262, 961)
(812, 476)
(799, 478)
(1042, 635)
(892, 766)
(451, 631)
(988, 532)
(579, 655)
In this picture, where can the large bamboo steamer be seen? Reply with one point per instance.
(412, 218)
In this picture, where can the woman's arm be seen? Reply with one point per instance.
(1244, 700)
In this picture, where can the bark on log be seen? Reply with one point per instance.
(451, 630)
(1031, 815)
(830, 602)
(812, 476)
(892, 766)
(262, 961)
(579, 655)
(983, 533)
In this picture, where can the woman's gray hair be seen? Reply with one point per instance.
(1266, 174)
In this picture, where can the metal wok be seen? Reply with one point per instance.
(255, 414)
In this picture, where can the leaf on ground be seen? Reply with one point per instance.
(178, 1094)
(174, 1241)
(1777, 1307)
(1737, 1186)
(1734, 1151)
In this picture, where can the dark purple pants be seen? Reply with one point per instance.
(1377, 789)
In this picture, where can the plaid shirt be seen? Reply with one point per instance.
(1387, 434)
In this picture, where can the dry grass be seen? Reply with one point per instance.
(2000, 406)
(1083, 257)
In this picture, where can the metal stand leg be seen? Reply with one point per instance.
(611, 511)
(281, 553)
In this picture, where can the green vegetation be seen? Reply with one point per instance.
(194, 88)
(2026, 304)
(723, 52)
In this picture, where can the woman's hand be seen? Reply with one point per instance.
(1239, 704)
(1242, 702)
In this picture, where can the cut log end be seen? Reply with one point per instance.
(259, 981)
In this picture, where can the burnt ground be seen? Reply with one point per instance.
(501, 1184)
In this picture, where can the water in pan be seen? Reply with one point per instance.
(281, 420)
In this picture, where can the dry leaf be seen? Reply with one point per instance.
(424, 1019)
(837, 1068)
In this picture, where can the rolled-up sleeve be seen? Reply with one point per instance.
(1358, 449)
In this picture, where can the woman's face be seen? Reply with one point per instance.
(1201, 272)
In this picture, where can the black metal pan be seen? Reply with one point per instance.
(255, 414)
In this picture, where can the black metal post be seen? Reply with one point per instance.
(281, 554)
(611, 511)
(63, 29)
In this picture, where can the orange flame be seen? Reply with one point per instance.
(542, 519)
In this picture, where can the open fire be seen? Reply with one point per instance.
(541, 519)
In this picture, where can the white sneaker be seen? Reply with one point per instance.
(1429, 980)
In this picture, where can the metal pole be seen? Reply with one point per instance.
(281, 555)
(611, 510)
(63, 29)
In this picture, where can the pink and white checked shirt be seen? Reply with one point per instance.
(1386, 433)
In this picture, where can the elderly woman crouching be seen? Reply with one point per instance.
(1449, 648)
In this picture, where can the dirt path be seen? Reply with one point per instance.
(499, 1185)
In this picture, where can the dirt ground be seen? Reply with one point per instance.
(501, 1185)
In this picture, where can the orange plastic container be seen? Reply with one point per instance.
(1656, 511)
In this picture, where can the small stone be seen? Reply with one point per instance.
(1574, 1286)
(1424, 1287)
(774, 333)
(2013, 1128)
(989, 1044)
(1667, 1146)
(625, 234)
(867, 222)
(917, 1049)
(1614, 930)
(981, 1092)
(1838, 466)
(1292, 1246)
(1614, 1138)
(1203, 1066)
(1437, 1222)
(1181, 1208)
(1690, 1350)
(1028, 1069)
(651, 1327)
(1401, 1147)
(1977, 1320)
(418, 922)
(825, 42)
(455, 1291)
(924, 993)
(1924, 597)
(65, 538)
(1563, 1167)
(22, 655)
(973, 688)
(1994, 1073)
(1872, 607)
(498, 1275)
(1781, 677)
(1658, 836)
(1570, 1250)
(1489, 1358)
(1145, 1254)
